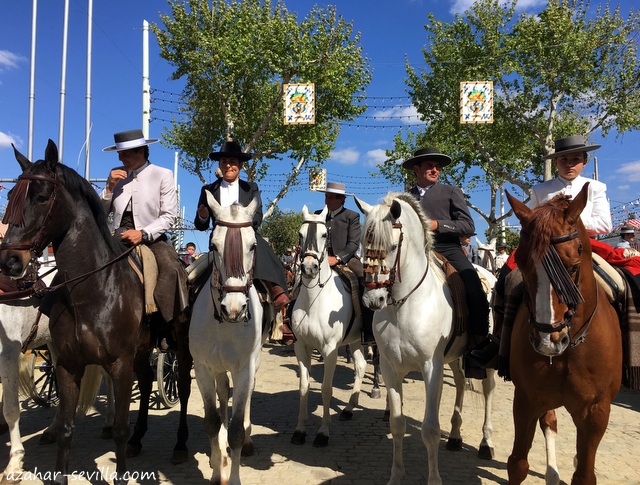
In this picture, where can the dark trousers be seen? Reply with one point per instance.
(476, 297)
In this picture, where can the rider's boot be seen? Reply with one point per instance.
(278, 295)
(367, 327)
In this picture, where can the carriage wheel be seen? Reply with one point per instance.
(167, 378)
(45, 390)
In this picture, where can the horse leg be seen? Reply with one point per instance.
(11, 412)
(591, 424)
(433, 374)
(524, 421)
(454, 443)
(218, 459)
(375, 392)
(303, 355)
(107, 428)
(486, 450)
(397, 421)
(122, 376)
(185, 362)
(330, 361)
(243, 383)
(69, 391)
(359, 366)
(549, 426)
(145, 375)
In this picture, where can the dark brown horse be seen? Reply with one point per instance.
(97, 315)
(566, 346)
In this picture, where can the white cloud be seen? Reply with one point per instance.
(375, 157)
(623, 187)
(347, 156)
(630, 171)
(460, 6)
(405, 114)
(9, 60)
(7, 139)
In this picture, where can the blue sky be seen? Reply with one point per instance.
(390, 31)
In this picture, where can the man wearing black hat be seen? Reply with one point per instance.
(570, 158)
(142, 200)
(446, 207)
(231, 189)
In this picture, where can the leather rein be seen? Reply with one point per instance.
(395, 270)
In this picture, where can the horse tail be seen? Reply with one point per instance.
(89, 387)
(26, 386)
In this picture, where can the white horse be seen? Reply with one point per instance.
(226, 334)
(21, 322)
(413, 323)
(323, 319)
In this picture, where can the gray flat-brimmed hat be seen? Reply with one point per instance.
(423, 154)
(230, 149)
(335, 188)
(571, 144)
(126, 140)
(502, 244)
(627, 230)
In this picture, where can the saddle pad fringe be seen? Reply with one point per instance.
(458, 294)
(150, 277)
(351, 284)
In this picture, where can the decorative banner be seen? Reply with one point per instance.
(317, 179)
(299, 104)
(476, 102)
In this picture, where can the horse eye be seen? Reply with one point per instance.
(254, 246)
(41, 199)
(394, 247)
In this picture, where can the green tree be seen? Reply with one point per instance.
(281, 229)
(235, 58)
(559, 73)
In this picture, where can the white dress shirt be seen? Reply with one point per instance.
(596, 215)
(229, 193)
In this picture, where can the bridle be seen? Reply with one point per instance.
(308, 250)
(394, 272)
(566, 287)
(215, 278)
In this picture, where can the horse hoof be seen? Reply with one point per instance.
(298, 438)
(133, 450)
(346, 415)
(321, 441)
(179, 456)
(107, 433)
(376, 394)
(386, 415)
(247, 449)
(47, 438)
(486, 452)
(454, 444)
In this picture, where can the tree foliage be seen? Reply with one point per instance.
(565, 71)
(281, 229)
(235, 58)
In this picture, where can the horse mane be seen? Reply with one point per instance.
(380, 225)
(541, 223)
(80, 189)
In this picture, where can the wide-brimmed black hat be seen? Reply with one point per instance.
(571, 144)
(502, 244)
(423, 154)
(126, 140)
(230, 149)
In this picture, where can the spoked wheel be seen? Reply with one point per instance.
(45, 390)
(167, 378)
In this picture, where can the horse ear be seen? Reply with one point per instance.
(325, 211)
(51, 154)
(22, 160)
(362, 205)
(519, 208)
(577, 204)
(212, 203)
(305, 211)
(396, 210)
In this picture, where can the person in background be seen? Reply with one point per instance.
(190, 256)
(230, 189)
(450, 219)
(502, 255)
(343, 242)
(142, 199)
(470, 250)
(627, 237)
(570, 158)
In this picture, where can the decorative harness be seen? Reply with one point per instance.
(565, 287)
(377, 255)
(310, 249)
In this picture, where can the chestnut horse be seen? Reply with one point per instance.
(97, 315)
(566, 347)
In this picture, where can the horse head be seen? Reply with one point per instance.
(313, 242)
(30, 213)
(387, 227)
(233, 240)
(554, 247)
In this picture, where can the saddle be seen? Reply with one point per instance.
(458, 294)
(149, 276)
(352, 285)
(610, 278)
